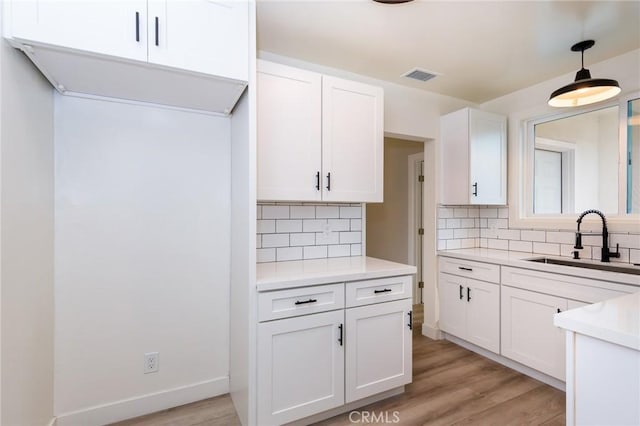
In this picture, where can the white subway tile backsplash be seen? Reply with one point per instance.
(634, 256)
(288, 253)
(442, 223)
(491, 212)
(288, 225)
(460, 212)
(474, 212)
(445, 212)
(625, 240)
(526, 246)
(303, 239)
(275, 240)
(265, 226)
(313, 225)
(473, 233)
(323, 239)
(484, 242)
(488, 233)
(442, 244)
(453, 223)
(258, 212)
(314, 252)
(275, 212)
(509, 234)
(339, 250)
(497, 223)
(356, 224)
(327, 212)
(561, 237)
(468, 243)
(350, 237)
(350, 212)
(468, 223)
(302, 212)
(482, 222)
(339, 224)
(503, 212)
(533, 236)
(460, 233)
(624, 255)
(356, 249)
(498, 244)
(547, 248)
(453, 244)
(265, 255)
(258, 241)
(445, 234)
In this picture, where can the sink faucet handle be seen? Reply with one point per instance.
(617, 252)
(578, 245)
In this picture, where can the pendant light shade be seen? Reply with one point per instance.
(584, 90)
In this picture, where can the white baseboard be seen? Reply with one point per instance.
(432, 332)
(144, 404)
(551, 381)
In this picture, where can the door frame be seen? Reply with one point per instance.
(412, 219)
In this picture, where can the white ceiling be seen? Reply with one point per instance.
(482, 49)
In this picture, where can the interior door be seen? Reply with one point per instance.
(378, 348)
(117, 28)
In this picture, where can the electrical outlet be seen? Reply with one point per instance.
(151, 362)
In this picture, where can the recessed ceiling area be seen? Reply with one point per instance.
(480, 49)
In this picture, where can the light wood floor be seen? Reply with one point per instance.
(451, 386)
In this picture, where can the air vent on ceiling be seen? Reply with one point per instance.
(420, 74)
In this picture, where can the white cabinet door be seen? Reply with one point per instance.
(378, 342)
(488, 158)
(116, 28)
(352, 141)
(452, 304)
(528, 333)
(483, 314)
(205, 36)
(300, 367)
(289, 133)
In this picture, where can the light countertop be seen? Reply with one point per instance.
(517, 259)
(614, 320)
(300, 273)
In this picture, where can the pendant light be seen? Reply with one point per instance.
(584, 90)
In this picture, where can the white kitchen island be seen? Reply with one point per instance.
(603, 362)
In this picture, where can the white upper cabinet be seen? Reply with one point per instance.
(474, 158)
(201, 36)
(184, 53)
(116, 28)
(319, 137)
(352, 141)
(289, 133)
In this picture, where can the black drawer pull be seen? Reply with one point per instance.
(137, 26)
(303, 302)
(461, 295)
(559, 310)
(462, 268)
(157, 31)
(410, 313)
(468, 294)
(386, 290)
(341, 330)
(329, 181)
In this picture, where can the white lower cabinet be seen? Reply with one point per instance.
(300, 367)
(469, 309)
(310, 361)
(528, 333)
(378, 348)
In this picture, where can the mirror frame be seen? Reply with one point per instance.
(521, 177)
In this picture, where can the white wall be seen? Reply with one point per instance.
(142, 258)
(26, 242)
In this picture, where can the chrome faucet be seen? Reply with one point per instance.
(606, 254)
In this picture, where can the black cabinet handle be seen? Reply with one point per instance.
(386, 290)
(461, 296)
(137, 26)
(157, 41)
(303, 302)
(318, 181)
(468, 294)
(329, 181)
(341, 328)
(475, 189)
(462, 268)
(410, 313)
(559, 310)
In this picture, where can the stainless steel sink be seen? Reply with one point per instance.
(634, 270)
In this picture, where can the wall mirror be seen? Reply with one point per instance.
(587, 159)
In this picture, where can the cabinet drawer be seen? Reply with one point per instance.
(468, 268)
(360, 293)
(300, 301)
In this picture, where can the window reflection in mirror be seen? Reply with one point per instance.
(576, 163)
(633, 156)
